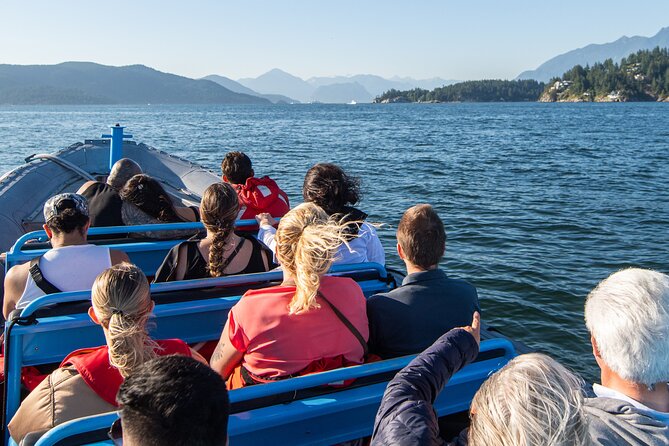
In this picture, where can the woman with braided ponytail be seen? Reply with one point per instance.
(309, 323)
(87, 381)
(221, 252)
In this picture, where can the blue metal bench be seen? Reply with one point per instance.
(325, 419)
(147, 254)
(36, 340)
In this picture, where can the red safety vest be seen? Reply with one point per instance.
(105, 379)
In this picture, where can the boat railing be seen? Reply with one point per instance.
(330, 417)
(145, 253)
(35, 337)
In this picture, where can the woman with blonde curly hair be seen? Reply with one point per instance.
(309, 323)
(87, 381)
(221, 252)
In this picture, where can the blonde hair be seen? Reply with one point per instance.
(122, 303)
(533, 400)
(306, 243)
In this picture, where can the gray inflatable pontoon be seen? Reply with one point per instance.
(24, 190)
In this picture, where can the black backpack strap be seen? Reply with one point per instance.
(40, 280)
(348, 324)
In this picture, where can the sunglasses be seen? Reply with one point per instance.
(115, 433)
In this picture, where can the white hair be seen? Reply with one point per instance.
(533, 400)
(628, 316)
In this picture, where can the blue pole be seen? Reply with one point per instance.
(116, 145)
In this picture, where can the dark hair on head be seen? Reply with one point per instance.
(421, 235)
(219, 209)
(67, 221)
(328, 186)
(147, 194)
(237, 167)
(174, 400)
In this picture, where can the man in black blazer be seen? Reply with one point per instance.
(411, 317)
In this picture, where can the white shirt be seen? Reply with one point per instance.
(605, 392)
(366, 247)
(68, 268)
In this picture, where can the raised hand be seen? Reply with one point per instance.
(475, 328)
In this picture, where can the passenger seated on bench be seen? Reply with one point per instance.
(70, 265)
(104, 201)
(145, 201)
(309, 323)
(256, 195)
(533, 400)
(411, 317)
(627, 316)
(87, 381)
(173, 400)
(221, 252)
(328, 186)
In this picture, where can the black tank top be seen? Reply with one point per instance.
(197, 267)
(104, 205)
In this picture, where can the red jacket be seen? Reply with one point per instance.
(261, 195)
(105, 379)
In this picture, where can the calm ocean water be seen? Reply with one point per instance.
(540, 201)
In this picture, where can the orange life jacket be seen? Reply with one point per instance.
(105, 379)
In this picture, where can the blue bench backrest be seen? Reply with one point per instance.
(46, 340)
(325, 419)
(147, 254)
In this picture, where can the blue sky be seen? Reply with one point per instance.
(421, 39)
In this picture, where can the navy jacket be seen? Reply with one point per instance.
(406, 415)
(408, 319)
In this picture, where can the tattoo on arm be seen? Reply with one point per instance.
(218, 352)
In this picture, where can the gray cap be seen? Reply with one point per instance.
(58, 203)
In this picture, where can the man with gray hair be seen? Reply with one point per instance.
(104, 202)
(627, 315)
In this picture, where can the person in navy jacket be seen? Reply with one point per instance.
(411, 317)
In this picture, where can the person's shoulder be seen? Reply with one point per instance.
(381, 299)
(460, 284)
(17, 272)
(337, 282)
(87, 187)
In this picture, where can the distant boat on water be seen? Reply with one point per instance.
(352, 102)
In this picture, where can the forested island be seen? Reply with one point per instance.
(470, 91)
(642, 76)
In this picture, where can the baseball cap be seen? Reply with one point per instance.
(58, 203)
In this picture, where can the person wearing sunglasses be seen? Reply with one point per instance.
(172, 400)
(87, 380)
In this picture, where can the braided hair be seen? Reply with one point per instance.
(219, 209)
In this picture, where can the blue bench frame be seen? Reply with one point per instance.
(146, 254)
(48, 340)
(321, 420)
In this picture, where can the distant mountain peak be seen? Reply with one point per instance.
(596, 52)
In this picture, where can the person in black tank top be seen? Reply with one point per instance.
(104, 201)
(221, 252)
(104, 205)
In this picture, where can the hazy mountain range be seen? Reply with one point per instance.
(336, 89)
(90, 83)
(591, 54)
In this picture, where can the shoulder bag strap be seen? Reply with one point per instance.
(346, 322)
(40, 280)
(233, 254)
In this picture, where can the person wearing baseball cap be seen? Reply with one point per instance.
(66, 224)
